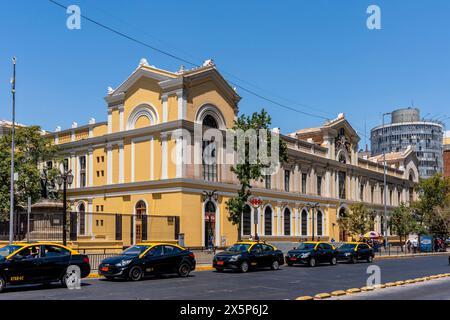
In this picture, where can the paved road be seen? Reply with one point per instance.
(287, 283)
(438, 289)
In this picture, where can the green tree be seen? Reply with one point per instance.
(402, 222)
(248, 171)
(31, 147)
(432, 208)
(357, 221)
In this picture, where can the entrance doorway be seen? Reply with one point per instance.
(210, 224)
(141, 210)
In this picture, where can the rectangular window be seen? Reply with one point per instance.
(66, 165)
(372, 192)
(361, 192)
(319, 185)
(304, 180)
(287, 180)
(82, 172)
(382, 195)
(268, 181)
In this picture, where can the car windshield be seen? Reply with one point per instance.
(306, 246)
(7, 250)
(347, 246)
(135, 250)
(239, 247)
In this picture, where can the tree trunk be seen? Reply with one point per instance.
(239, 231)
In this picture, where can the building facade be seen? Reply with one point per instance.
(407, 129)
(146, 161)
(447, 154)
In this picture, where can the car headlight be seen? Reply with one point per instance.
(123, 263)
(305, 255)
(235, 258)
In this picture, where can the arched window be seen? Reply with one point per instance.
(141, 209)
(82, 214)
(319, 223)
(287, 222)
(268, 221)
(210, 121)
(304, 223)
(209, 151)
(247, 221)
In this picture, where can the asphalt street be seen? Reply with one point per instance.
(286, 283)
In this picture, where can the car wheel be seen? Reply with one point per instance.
(353, 260)
(333, 261)
(2, 284)
(183, 270)
(370, 259)
(312, 262)
(135, 273)
(71, 277)
(275, 265)
(244, 267)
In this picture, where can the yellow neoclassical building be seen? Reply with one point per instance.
(136, 177)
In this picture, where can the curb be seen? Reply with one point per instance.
(414, 255)
(338, 293)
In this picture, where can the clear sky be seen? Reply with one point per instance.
(317, 56)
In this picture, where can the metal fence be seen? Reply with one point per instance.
(88, 226)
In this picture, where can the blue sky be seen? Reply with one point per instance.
(316, 56)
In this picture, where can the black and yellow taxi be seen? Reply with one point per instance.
(40, 262)
(145, 259)
(243, 256)
(312, 253)
(355, 251)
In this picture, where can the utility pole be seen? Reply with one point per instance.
(13, 129)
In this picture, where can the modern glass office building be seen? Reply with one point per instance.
(408, 129)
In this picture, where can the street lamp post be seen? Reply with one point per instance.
(313, 207)
(384, 187)
(64, 179)
(256, 204)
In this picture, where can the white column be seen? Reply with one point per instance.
(152, 159)
(109, 164)
(164, 155)
(181, 105)
(91, 167)
(121, 164)
(179, 158)
(328, 183)
(279, 220)
(72, 135)
(73, 167)
(165, 110)
(109, 121)
(121, 121)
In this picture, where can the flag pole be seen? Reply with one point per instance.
(13, 129)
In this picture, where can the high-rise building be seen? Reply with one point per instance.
(408, 129)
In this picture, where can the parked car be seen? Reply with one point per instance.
(311, 253)
(146, 259)
(40, 262)
(243, 256)
(355, 251)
